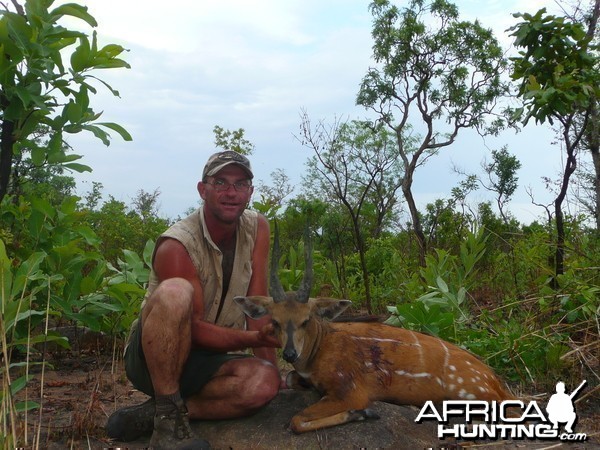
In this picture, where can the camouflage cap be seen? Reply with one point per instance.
(220, 160)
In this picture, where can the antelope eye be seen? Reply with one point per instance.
(275, 324)
(303, 325)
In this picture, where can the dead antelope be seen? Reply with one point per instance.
(353, 364)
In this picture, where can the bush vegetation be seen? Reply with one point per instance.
(469, 274)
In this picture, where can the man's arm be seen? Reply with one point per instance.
(172, 260)
(259, 286)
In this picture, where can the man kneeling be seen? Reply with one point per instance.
(178, 350)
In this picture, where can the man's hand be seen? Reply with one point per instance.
(267, 338)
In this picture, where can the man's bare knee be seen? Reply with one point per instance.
(172, 298)
(262, 386)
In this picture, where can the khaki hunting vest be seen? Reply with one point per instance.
(207, 259)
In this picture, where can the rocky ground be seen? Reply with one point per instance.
(85, 386)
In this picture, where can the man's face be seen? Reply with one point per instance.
(221, 198)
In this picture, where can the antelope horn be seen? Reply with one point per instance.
(275, 288)
(304, 291)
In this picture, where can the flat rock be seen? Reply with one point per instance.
(396, 429)
(269, 428)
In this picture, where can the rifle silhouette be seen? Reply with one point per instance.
(574, 393)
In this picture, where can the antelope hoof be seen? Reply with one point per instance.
(363, 414)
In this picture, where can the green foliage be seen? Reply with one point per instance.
(502, 177)
(39, 89)
(292, 268)
(436, 70)
(50, 266)
(356, 165)
(19, 287)
(430, 57)
(33, 44)
(442, 310)
(233, 140)
(51, 271)
(445, 227)
(119, 226)
(67, 269)
(519, 349)
(558, 68)
(272, 197)
(528, 334)
(109, 301)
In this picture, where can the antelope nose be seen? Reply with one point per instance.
(290, 355)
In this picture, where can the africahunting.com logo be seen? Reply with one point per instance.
(511, 419)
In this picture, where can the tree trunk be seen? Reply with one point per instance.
(7, 141)
(416, 220)
(595, 150)
(596, 159)
(570, 167)
(594, 127)
(593, 140)
(363, 264)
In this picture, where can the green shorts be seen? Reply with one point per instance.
(198, 370)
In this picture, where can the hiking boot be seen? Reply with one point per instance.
(128, 424)
(172, 431)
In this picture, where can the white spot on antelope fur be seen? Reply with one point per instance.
(451, 376)
(415, 338)
(451, 387)
(396, 341)
(447, 354)
(466, 395)
(460, 380)
(482, 389)
(413, 375)
(452, 368)
(439, 380)
(418, 345)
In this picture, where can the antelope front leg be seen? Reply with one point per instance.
(294, 381)
(329, 412)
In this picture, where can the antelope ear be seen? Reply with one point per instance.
(328, 308)
(254, 307)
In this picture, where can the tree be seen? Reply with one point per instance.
(272, 197)
(436, 70)
(355, 165)
(233, 140)
(33, 180)
(559, 81)
(38, 88)
(119, 226)
(591, 138)
(502, 178)
(145, 204)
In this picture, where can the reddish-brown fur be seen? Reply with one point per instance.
(355, 364)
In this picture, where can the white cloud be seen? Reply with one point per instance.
(252, 64)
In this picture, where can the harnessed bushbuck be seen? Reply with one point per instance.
(353, 364)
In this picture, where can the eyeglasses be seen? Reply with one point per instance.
(223, 186)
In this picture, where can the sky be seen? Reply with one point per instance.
(256, 65)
